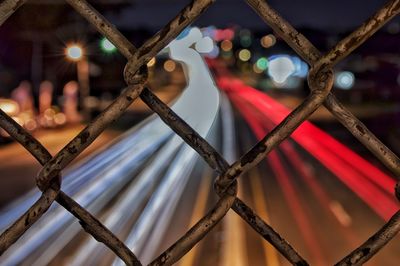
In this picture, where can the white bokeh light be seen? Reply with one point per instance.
(344, 80)
(280, 68)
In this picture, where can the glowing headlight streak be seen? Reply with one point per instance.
(128, 204)
(95, 165)
(173, 183)
(94, 195)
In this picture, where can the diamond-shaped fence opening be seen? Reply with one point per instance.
(320, 80)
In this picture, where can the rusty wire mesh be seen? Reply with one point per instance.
(320, 80)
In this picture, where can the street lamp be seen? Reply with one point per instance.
(75, 52)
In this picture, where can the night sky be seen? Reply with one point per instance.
(338, 15)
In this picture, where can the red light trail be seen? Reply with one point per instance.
(255, 119)
(372, 185)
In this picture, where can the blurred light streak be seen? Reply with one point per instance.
(358, 174)
(233, 252)
(129, 201)
(295, 203)
(199, 209)
(257, 116)
(341, 214)
(97, 181)
(158, 211)
(93, 166)
(260, 203)
(93, 195)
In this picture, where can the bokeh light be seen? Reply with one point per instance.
(257, 70)
(280, 68)
(169, 66)
(107, 46)
(244, 55)
(262, 63)
(152, 62)
(268, 41)
(344, 80)
(226, 45)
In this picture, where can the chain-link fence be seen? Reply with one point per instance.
(320, 79)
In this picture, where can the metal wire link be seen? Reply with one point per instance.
(320, 80)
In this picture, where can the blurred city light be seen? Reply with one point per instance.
(256, 69)
(223, 34)
(226, 45)
(262, 63)
(245, 38)
(301, 68)
(169, 65)
(209, 31)
(74, 52)
(227, 55)
(152, 62)
(268, 41)
(344, 80)
(214, 52)
(280, 68)
(9, 107)
(244, 55)
(107, 46)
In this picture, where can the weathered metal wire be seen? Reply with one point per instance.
(320, 80)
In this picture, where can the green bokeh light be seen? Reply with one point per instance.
(107, 46)
(262, 63)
